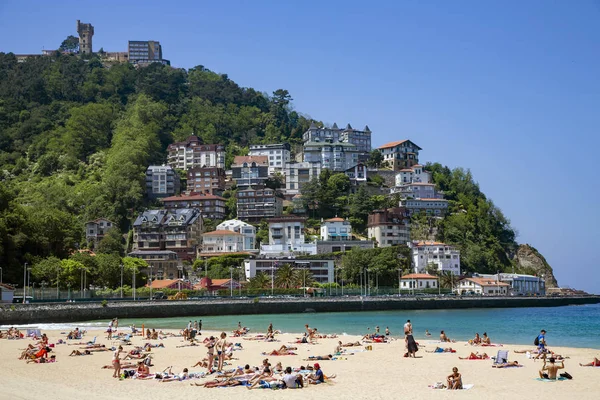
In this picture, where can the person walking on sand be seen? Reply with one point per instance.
(411, 345)
(552, 369)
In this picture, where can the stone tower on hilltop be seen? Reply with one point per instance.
(85, 31)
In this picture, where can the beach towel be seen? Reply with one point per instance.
(492, 345)
(440, 385)
(551, 380)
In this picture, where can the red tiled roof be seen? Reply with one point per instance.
(167, 283)
(7, 287)
(248, 159)
(392, 144)
(419, 276)
(193, 197)
(222, 232)
(406, 170)
(336, 219)
(485, 282)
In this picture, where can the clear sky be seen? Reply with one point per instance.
(509, 89)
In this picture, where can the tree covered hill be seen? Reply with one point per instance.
(77, 135)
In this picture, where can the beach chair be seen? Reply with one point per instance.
(92, 341)
(501, 357)
(126, 339)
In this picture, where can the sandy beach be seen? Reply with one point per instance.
(378, 374)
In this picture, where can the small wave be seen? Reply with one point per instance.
(58, 326)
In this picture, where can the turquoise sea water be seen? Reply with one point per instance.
(572, 326)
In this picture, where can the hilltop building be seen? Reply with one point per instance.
(250, 170)
(86, 32)
(389, 227)
(192, 153)
(278, 155)
(402, 154)
(144, 52)
(161, 181)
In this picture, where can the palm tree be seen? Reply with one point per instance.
(446, 279)
(287, 278)
(260, 281)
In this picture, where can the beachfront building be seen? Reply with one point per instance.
(389, 227)
(96, 229)
(402, 154)
(257, 203)
(520, 284)
(442, 257)
(161, 181)
(162, 264)
(177, 284)
(431, 207)
(286, 238)
(299, 174)
(247, 231)
(278, 155)
(333, 229)
(220, 242)
(483, 286)
(178, 230)
(7, 293)
(250, 170)
(414, 174)
(322, 270)
(419, 282)
(210, 206)
(192, 153)
(209, 180)
(213, 286)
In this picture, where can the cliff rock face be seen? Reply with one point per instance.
(530, 261)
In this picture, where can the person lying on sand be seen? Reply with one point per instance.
(326, 357)
(179, 377)
(283, 351)
(507, 365)
(80, 353)
(475, 356)
(351, 344)
(29, 352)
(454, 380)
(42, 360)
(443, 350)
(221, 383)
(595, 363)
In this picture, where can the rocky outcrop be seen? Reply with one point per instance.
(530, 261)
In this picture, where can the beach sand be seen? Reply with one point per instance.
(378, 374)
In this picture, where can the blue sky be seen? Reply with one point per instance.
(509, 89)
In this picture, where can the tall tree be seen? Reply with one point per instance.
(70, 44)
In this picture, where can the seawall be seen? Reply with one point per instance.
(75, 312)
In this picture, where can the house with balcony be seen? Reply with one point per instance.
(299, 174)
(220, 242)
(432, 207)
(417, 190)
(250, 170)
(358, 174)
(414, 174)
(520, 284)
(440, 256)
(278, 155)
(96, 229)
(389, 227)
(247, 231)
(336, 235)
(210, 206)
(257, 203)
(361, 139)
(161, 181)
(335, 156)
(162, 264)
(209, 180)
(193, 153)
(286, 238)
(402, 154)
(178, 230)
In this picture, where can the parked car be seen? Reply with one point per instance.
(159, 296)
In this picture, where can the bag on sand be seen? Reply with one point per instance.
(566, 375)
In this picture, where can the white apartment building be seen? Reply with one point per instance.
(520, 284)
(286, 237)
(192, 153)
(483, 286)
(417, 190)
(248, 232)
(222, 241)
(444, 257)
(412, 175)
(298, 174)
(336, 156)
(321, 270)
(433, 207)
(279, 155)
(336, 229)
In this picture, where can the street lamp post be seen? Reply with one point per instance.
(24, 282)
(133, 283)
(57, 278)
(240, 280)
(498, 282)
(272, 278)
(0, 274)
(121, 280)
(230, 281)
(151, 266)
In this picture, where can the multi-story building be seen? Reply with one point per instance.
(250, 170)
(192, 153)
(333, 229)
(334, 246)
(415, 174)
(86, 32)
(178, 230)
(145, 52)
(438, 255)
(361, 139)
(389, 227)
(210, 206)
(278, 155)
(357, 174)
(322, 271)
(96, 229)
(162, 264)
(432, 207)
(483, 286)
(336, 156)
(247, 231)
(417, 191)
(402, 154)
(221, 242)
(519, 284)
(257, 203)
(210, 180)
(299, 174)
(286, 237)
(161, 181)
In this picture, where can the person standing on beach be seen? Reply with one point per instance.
(110, 329)
(116, 324)
(210, 354)
(270, 329)
(411, 345)
(116, 362)
(220, 346)
(199, 327)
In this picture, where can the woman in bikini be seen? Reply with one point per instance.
(475, 356)
(220, 346)
(486, 339)
(595, 363)
(116, 362)
(210, 345)
(454, 380)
